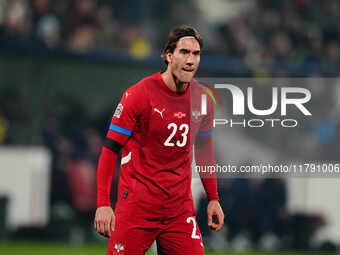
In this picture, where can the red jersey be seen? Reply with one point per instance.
(157, 127)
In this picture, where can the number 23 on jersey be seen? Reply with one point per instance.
(183, 129)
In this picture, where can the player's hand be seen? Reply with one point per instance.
(104, 221)
(214, 209)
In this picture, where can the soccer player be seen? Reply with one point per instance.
(155, 124)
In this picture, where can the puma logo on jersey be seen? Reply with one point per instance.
(160, 112)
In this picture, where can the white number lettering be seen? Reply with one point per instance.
(193, 235)
(182, 127)
(167, 142)
(184, 135)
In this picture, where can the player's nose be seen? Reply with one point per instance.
(190, 60)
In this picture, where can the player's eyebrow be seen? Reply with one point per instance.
(183, 50)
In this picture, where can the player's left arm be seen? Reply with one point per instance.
(204, 156)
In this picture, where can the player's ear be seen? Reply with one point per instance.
(168, 56)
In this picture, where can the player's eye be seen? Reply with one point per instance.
(184, 51)
(197, 53)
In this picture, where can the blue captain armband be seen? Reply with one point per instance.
(207, 133)
(120, 130)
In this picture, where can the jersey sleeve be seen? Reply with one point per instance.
(127, 113)
(204, 151)
(207, 124)
(204, 156)
(105, 172)
(123, 124)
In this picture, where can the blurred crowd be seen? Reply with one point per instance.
(75, 141)
(274, 36)
(280, 36)
(75, 25)
(84, 25)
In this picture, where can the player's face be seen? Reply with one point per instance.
(184, 61)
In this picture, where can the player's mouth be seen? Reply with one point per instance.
(189, 70)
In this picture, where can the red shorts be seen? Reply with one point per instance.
(134, 235)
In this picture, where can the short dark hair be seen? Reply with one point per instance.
(176, 34)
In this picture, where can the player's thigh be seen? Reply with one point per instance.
(128, 239)
(182, 237)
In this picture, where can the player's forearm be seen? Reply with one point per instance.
(204, 155)
(105, 172)
(210, 187)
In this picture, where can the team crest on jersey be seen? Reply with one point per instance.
(195, 114)
(118, 248)
(118, 111)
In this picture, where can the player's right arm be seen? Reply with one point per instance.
(104, 221)
(122, 125)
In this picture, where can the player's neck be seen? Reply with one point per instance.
(173, 83)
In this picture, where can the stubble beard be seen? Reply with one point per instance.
(181, 86)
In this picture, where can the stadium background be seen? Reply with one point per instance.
(63, 68)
